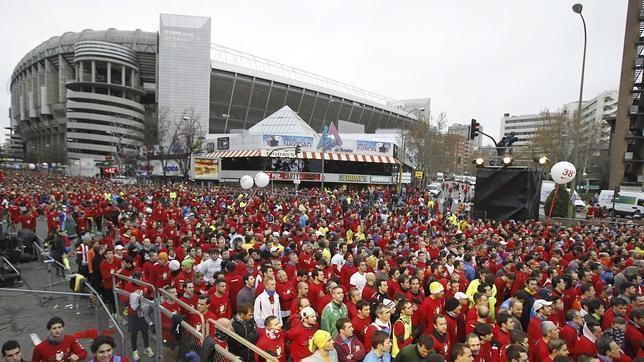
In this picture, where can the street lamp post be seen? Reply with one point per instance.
(404, 148)
(577, 8)
(323, 140)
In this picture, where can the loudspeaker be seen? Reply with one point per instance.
(503, 194)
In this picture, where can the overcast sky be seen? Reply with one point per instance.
(474, 59)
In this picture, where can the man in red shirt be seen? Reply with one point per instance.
(570, 331)
(203, 307)
(219, 305)
(166, 321)
(633, 334)
(586, 344)
(286, 290)
(433, 305)
(161, 272)
(549, 331)
(362, 321)
(108, 267)
(57, 346)
(300, 335)
(440, 337)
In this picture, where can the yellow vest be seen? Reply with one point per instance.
(394, 346)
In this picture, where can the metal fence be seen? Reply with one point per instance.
(230, 334)
(137, 314)
(26, 311)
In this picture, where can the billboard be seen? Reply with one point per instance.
(271, 140)
(373, 146)
(205, 168)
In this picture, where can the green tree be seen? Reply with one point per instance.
(561, 202)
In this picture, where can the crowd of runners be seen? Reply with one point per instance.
(344, 274)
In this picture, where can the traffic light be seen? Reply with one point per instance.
(298, 149)
(474, 129)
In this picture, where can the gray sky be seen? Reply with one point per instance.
(475, 59)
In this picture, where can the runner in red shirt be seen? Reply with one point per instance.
(219, 300)
(57, 346)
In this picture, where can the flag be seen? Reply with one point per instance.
(336, 135)
(330, 137)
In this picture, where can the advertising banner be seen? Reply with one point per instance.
(373, 146)
(288, 176)
(286, 141)
(205, 168)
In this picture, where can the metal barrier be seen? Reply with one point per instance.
(147, 319)
(232, 335)
(180, 338)
(29, 316)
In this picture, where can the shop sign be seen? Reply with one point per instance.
(289, 176)
(380, 179)
(373, 146)
(354, 178)
(271, 140)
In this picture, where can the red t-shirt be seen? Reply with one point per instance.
(47, 352)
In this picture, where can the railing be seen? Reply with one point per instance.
(231, 334)
(147, 305)
(105, 323)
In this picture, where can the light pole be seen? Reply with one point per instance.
(323, 140)
(577, 8)
(404, 148)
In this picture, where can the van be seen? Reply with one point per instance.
(435, 189)
(629, 203)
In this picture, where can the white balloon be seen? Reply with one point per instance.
(32, 166)
(262, 179)
(563, 172)
(246, 182)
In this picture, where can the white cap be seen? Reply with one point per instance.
(539, 303)
(307, 312)
(461, 296)
(118, 247)
(274, 249)
(174, 265)
(276, 234)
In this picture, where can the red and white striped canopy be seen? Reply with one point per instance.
(329, 156)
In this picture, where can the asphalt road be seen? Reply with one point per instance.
(23, 313)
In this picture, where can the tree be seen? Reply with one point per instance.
(561, 202)
(157, 127)
(553, 138)
(188, 138)
(431, 148)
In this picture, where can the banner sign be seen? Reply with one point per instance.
(286, 141)
(280, 153)
(373, 146)
(288, 176)
(206, 168)
(354, 178)
(110, 170)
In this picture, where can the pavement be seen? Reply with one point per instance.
(24, 313)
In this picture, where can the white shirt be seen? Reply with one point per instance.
(264, 308)
(359, 280)
(338, 261)
(209, 267)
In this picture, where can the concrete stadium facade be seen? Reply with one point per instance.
(84, 95)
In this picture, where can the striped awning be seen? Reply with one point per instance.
(335, 156)
(233, 154)
(329, 156)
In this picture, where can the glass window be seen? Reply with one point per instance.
(128, 77)
(87, 72)
(117, 73)
(101, 72)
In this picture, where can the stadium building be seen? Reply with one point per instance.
(85, 96)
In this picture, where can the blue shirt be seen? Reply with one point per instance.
(371, 357)
(470, 272)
